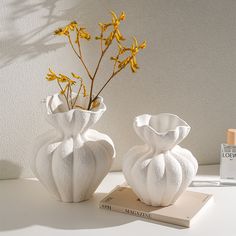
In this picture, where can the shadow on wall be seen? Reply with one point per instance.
(8, 168)
(32, 44)
(38, 40)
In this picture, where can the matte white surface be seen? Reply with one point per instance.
(27, 209)
(188, 69)
(71, 160)
(160, 170)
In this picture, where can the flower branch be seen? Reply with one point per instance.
(109, 33)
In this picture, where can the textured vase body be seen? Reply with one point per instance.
(159, 171)
(71, 160)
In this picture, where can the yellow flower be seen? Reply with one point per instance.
(66, 30)
(118, 36)
(116, 23)
(109, 32)
(75, 75)
(121, 49)
(116, 20)
(122, 15)
(114, 58)
(109, 38)
(134, 49)
(63, 78)
(73, 25)
(124, 63)
(95, 104)
(115, 32)
(64, 90)
(82, 33)
(84, 90)
(143, 45)
(72, 82)
(61, 31)
(104, 27)
(51, 75)
(133, 64)
(82, 83)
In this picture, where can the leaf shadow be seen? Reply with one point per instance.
(15, 45)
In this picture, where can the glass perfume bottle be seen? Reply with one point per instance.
(228, 159)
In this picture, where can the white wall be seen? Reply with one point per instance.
(188, 69)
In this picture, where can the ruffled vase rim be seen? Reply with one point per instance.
(140, 124)
(101, 107)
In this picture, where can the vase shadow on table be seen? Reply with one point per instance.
(25, 203)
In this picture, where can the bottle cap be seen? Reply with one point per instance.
(231, 136)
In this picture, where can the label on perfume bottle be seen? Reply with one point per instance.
(228, 162)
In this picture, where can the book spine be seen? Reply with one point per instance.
(150, 216)
(109, 207)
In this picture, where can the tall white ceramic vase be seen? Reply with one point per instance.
(160, 170)
(71, 160)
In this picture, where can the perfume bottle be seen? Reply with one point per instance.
(228, 158)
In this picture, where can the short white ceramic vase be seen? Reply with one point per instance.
(71, 160)
(159, 171)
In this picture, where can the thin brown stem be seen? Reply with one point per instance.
(67, 93)
(114, 67)
(111, 77)
(77, 95)
(80, 58)
(95, 72)
(80, 107)
(80, 52)
(90, 94)
(101, 45)
(93, 78)
(70, 95)
(100, 59)
(101, 41)
(63, 94)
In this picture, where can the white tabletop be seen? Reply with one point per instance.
(26, 208)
